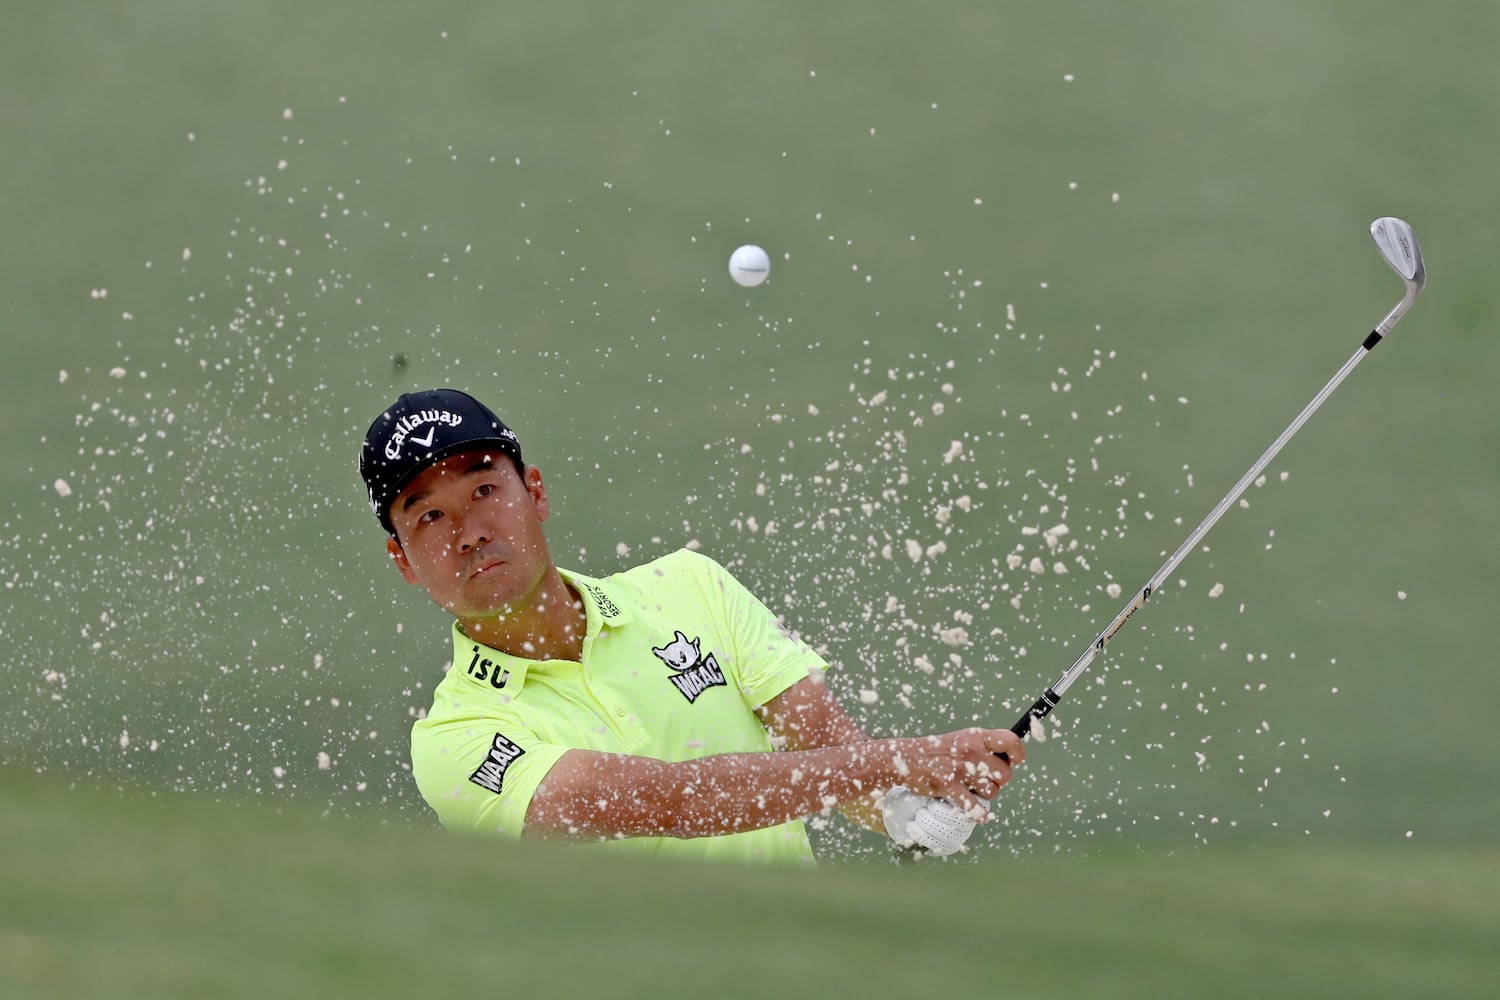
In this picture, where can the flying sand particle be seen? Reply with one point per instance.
(956, 636)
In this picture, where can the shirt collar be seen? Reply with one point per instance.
(600, 605)
(486, 666)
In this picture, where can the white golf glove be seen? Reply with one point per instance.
(937, 826)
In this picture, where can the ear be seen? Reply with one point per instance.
(532, 480)
(398, 556)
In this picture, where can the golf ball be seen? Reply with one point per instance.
(749, 265)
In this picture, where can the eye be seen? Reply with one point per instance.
(429, 517)
(483, 490)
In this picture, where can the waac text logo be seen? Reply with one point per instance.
(695, 673)
(502, 755)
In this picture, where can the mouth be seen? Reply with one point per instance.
(485, 568)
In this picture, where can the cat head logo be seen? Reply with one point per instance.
(681, 653)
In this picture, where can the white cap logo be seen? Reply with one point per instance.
(409, 423)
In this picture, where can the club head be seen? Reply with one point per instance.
(1398, 245)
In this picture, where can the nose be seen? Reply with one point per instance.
(472, 536)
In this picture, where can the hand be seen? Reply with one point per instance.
(965, 767)
(935, 825)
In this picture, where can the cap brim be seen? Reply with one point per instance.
(501, 445)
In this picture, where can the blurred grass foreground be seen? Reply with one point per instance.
(110, 896)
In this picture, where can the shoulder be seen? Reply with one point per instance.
(685, 568)
(682, 560)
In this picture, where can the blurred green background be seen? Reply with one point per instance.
(1047, 279)
(1034, 265)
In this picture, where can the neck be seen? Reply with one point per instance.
(550, 626)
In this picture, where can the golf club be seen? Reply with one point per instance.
(1398, 245)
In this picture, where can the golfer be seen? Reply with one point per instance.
(661, 709)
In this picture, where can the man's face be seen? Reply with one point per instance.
(469, 531)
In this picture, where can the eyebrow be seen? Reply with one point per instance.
(480, 465)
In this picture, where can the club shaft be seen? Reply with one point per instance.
(1053, 695)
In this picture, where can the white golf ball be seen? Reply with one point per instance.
(749, 265)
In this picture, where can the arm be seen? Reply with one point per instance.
(807, 716)
(590, 794)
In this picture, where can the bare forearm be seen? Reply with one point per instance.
(806, 717)
(712, 796)
(865, 812)
(591, 794)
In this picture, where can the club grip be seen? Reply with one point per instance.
(1039, 709)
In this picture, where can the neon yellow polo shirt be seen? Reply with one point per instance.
(676, 657)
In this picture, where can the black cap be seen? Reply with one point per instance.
(419, 430)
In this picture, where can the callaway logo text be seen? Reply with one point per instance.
(409, 423)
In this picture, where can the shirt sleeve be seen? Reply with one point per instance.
(767, 656)
(479, 774)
